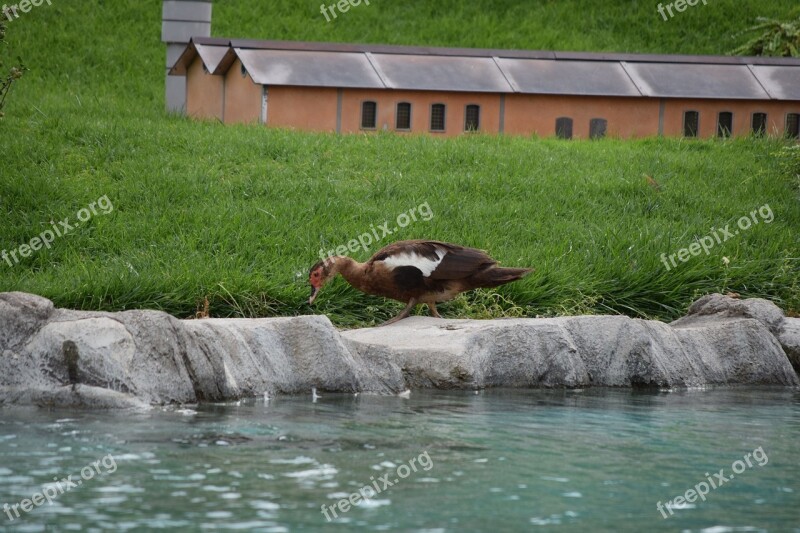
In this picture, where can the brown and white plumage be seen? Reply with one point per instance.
(416, 272)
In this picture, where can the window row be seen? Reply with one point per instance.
(597, 128)
(758, 124)
(691, 125)
(438, 112)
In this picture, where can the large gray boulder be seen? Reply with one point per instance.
(789, 338)
(136, 358)
(56, 357)
(613, 351)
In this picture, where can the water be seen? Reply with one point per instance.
(500, 460)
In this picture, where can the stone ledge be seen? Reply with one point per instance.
(54, 357)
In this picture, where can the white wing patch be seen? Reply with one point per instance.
(425, 265)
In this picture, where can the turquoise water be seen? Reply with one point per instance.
(500, 460)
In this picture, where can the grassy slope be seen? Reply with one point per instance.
(238, 213)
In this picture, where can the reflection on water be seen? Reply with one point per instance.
(500, 460)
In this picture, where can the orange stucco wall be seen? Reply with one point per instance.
(305, 108)
(528, 114)
(421, 102)
(742, 115)
(242, 96)
(203, 92)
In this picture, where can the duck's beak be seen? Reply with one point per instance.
(313, 297)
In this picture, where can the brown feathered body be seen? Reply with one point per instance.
(431, 271)
(417, 271)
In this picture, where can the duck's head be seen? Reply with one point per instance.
(321, 273)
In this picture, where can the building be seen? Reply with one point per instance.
(350, 88)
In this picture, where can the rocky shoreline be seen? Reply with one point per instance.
(59, 357)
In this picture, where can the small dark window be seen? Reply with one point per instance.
(564, 128)
(244, 70)
(472, 118)
(437, 117)
(691, 121)
(759, 124)
(793, 125)
(403, 121)
(369, 115)
(725, 124)
(597, 128)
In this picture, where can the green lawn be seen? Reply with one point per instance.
(238, 214)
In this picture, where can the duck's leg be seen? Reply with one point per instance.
(403, 314)
(434, 312)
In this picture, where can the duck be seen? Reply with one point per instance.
(416, 272)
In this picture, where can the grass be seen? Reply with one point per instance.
(237, 214)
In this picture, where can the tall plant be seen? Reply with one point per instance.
(8, 75)
(776, 38)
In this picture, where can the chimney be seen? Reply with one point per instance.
(180, 21)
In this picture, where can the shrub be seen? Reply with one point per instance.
(777, 38)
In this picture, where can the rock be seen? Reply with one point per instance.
(22, 314)
(134, 359)
(713, 307)
(583, 351)
(150, 357)
(82, 396)
(475, 353)
(246, 357)
(789, 338)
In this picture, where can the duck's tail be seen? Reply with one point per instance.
(496, 276)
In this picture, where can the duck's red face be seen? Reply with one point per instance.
(318, 277)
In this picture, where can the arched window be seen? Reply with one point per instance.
(437, 117)
(403, 116)
(759, 123)
(691, 123)
(472, 117)
(597, 128)
(725, 124)
(564, 128)
(369, 115)
(793, 125)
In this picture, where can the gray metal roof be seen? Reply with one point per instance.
(210, 49)
(696, 81)
(315, 69)
(437, 73)
(782, 83)
(548, 76)
(211, 55)
(500, 71)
